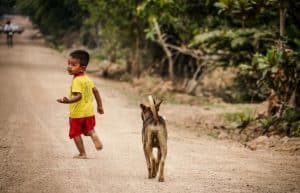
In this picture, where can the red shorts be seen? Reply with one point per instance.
(80, 126)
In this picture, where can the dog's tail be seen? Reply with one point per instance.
(153, 109)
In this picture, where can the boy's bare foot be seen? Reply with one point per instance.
(80, 157)
(99, 147)
(97, 142)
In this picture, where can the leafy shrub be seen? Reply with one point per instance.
(288, 124)
(241, 118)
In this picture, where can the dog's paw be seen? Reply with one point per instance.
(153, 175)
(154, 171)
(161, 179)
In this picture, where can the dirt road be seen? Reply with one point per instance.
(36, 154)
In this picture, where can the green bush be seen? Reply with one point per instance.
(288, 124)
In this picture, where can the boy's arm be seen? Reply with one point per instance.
(98, 100)
(75, 98)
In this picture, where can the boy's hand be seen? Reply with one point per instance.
(100, 110)
(63, 100)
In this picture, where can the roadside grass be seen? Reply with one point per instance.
(240, 113)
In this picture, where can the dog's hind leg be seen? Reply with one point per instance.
(149, 155)
(148, 161)
(157, 161)
(161, 177)
(163, 149)
(154, 165)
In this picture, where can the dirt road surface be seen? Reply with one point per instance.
(36, 154)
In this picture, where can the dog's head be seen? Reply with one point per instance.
(150, 111)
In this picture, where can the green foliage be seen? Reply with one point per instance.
(54, 17)
(236, 32)
(277, 70)
(6, 6)
(234, 46)
(288, 124)
(267, 122)
(241, 118)
(241, 33)
(246, 12)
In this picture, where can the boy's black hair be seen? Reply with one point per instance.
(82, 56)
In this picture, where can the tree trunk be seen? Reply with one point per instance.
(137, 56)
(282, 15)
(97, 30)
(135, 63)
(282, 18)
(194, 82)
(292, 101)
(168, 53)
(170, 64)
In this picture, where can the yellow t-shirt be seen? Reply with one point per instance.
(84, 107)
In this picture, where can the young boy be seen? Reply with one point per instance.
(82, 118)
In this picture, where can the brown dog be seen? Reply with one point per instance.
(154, 135)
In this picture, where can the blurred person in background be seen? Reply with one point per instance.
(9, 33)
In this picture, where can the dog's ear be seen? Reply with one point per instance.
(157, 105)
(143, 107)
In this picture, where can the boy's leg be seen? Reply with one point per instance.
(11, 41)
(79, 144)
(7, 39)
(96, 140)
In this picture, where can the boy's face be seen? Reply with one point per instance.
(74, 67)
